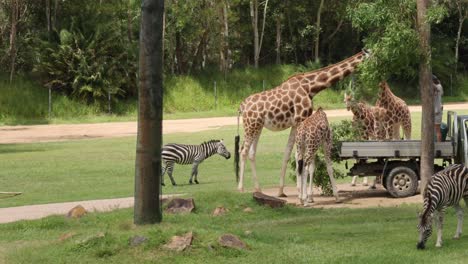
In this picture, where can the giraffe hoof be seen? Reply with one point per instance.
(372, 187)
(353, 184)
(282, 194)
(196, 181)
(240, 190)
(456, 237)
(258, 190)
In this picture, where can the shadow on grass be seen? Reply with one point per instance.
(21, 148)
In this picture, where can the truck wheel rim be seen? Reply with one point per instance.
(402, 181)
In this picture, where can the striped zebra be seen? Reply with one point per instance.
(190, 154)
(446, 188)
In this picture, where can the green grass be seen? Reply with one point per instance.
(104, 168)
(286, 235)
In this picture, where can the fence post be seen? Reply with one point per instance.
(215, 95)
(50, 102)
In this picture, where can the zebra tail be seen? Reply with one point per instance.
(236, 157)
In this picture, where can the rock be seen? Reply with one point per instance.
(248, 210)
(271, 201)
(77, 212)
(220, 211)
(180, 243)
(180, 205)
(231, 241)
(137, 240)
(66, 236)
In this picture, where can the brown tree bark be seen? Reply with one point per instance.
(427, 98)
(147, 208)
(462, 15)
(278, 40)
(317, 32)
(13, 32)
(254, 17)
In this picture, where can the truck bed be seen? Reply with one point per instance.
(392, 149)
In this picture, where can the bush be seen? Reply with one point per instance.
(342, 131)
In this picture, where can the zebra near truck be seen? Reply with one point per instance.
(398, 162)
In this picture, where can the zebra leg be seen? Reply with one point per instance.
(439, 221)
(163, 171)
(194, 172)
(459, 212)
(170, 169)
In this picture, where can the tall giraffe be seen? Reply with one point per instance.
(398, 113)
(282, 107)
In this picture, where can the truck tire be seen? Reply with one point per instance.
(401, 182)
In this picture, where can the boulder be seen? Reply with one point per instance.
(77, 212)
(180, 205)
(231, 241)
(271, 201)
(180, 243)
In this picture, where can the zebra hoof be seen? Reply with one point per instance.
(190, 182)
(196, 181)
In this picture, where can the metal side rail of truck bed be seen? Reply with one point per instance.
(392, 149)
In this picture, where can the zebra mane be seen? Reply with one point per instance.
(210, 141)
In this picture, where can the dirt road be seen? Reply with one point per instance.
(44, 133)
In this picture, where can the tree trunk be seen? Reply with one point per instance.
(292, 36)
(427, 96)
(54, 21)
(254, 17)
(278, 40)
(147, 208)
(13, 32)
(263, 27)
(461, 19)
(48, 18)
(129, 22)
(317, 32)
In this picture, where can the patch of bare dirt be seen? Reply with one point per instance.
(351, 197)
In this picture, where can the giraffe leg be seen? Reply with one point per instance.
(311, 170)
(243, 157)
(253, 166)
(407, 128)
(396, 131)
(364, 181)
(459, 212)
(298, 156)
(353, 181)
(287, 155)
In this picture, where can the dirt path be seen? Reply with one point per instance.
(44, 133)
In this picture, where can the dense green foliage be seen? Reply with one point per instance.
(87, 50)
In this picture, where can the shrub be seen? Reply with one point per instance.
(343, 131)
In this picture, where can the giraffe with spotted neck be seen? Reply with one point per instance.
(398, 113)
(282, 107)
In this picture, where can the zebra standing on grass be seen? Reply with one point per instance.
(446, 188)
(190, 154)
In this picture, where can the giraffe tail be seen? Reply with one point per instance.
(236, 150)
(300, 166)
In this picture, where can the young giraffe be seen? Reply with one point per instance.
(368, 120)
(311, 133)
(283, 107)
(398, 113)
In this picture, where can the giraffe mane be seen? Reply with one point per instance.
(324, 68)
